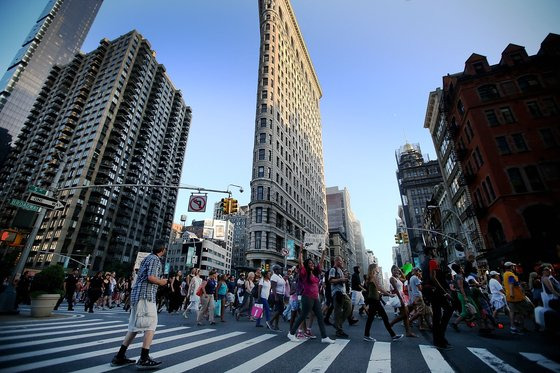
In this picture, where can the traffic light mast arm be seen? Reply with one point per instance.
(189, 187)
(436, 232)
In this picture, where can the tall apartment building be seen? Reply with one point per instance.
(503, 122)
(240, 221)
(287, 185)
(111, 116)
(55, 38)
(454, 213)
(416, 179)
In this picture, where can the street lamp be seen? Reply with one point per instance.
(463, 229)
(238, 186)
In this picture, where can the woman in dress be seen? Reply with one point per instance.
(397, 287)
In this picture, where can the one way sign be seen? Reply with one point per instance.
(44, 201)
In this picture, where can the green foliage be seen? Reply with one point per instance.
(49, 281)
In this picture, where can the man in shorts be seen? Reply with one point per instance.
(143, 313)
(517, 302)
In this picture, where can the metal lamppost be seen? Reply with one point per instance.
(470, 245)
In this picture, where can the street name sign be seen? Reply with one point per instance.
(36, 189)
(24, 205)
(44, 201)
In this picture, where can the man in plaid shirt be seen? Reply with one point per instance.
(143, 313)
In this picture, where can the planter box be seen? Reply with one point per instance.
(43, 305)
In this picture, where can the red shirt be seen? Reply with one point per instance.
(311, 286)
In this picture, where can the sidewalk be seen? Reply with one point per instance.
(24, 315)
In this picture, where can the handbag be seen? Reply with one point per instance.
(257, 310)
(218, 307)
(143, 318)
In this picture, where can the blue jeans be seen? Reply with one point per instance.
(266, 310)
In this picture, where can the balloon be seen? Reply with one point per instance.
(406, 268)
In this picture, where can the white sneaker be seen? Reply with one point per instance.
(327, 340)
(292, 337)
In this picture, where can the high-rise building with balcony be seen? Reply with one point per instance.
(109, 117)
(416, 179)
(287, 185)
(55, 38)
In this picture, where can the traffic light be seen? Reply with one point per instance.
(404, 237)
(8, 236)
(225, 202)
(232, 206)
(267, 267)
(398, 239)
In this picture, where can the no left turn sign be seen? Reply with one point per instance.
(197, 203)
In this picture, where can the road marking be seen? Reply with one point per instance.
(166, 352)
(492, 361)
(205, 359)
(77, 330)
(53, 350)
(261, 360)
(380, 358)
(62, 339)
(85, 355)
(66, 325)
(434, 359)
(542, 361)
(18, 324)
(323, 361)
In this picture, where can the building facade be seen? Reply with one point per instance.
(55, 38)
(416, 179)
(340, 222)
(452, 203)
(287, 185)
(111, 116)
(503, 121)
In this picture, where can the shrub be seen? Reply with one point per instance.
(49, 281)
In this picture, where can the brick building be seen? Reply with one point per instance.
(504, 122)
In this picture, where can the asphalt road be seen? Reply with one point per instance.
(79, 341)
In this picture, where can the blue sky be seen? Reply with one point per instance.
(376, 61)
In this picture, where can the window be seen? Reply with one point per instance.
(262, 138)
(478, 67)
(261, 154)
(509, 88)
(534, 109)
(469, 131)
(478, 158)
(263, 122)
(534, 178)
(519, 141)
(258, 238)
(507, 115)
(260, 172)
(503, 147)
(492, 118)
(258, 215)
(548, 138)
(460, 107)
(260, 193)
(550, 106)
(516, 180)
(488, 92)
(490, 189)
(528, 82)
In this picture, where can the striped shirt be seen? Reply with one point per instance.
(143, 289)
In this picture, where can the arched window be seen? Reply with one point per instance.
(496, 233)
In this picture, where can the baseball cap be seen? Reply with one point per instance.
(509, 264)
(493, 273)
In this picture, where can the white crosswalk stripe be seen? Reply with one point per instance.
(380, 358)
(492, 360)
(259, 361)
(24, 324)
(324, 359)
(205, 359)
(66, 325)
(435, 360)
(98, 342)
(166, 352)
(542, 361)
(94, 326)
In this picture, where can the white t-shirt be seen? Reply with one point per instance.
(280, 284)
(265, 290)
(495, 286)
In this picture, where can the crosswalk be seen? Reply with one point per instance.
(86, 345)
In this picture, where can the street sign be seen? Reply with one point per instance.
(24, 205)
(285, 252)
(197, 203)
(36, 189)
(44, 201)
